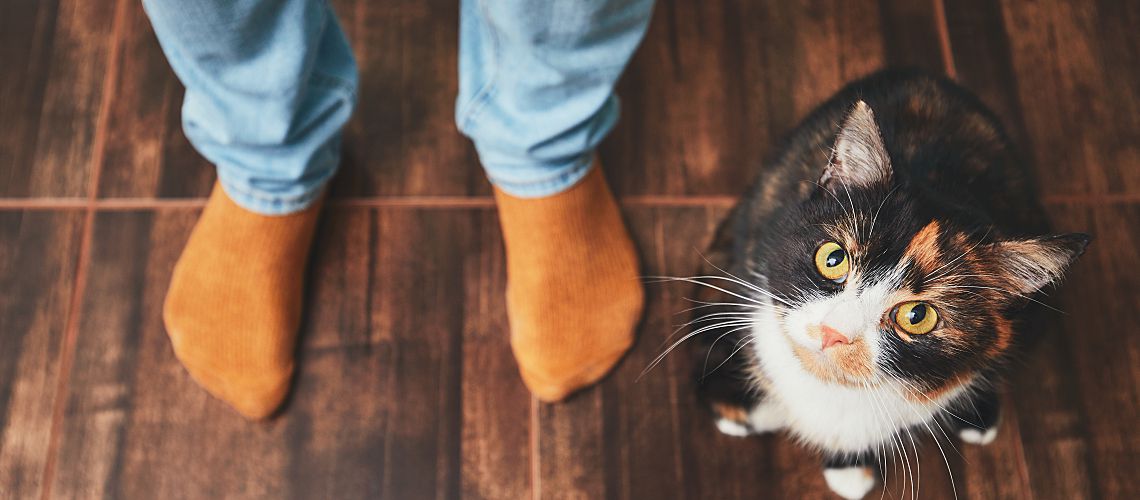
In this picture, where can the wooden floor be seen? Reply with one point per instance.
(406, 387)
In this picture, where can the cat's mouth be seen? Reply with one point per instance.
(848, 363)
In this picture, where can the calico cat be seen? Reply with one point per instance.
(875, 279)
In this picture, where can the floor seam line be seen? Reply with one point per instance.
(75, 303)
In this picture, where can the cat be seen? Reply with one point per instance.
(875, 278)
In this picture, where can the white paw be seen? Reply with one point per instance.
(974, 436)
(851, 482)
(731, 428)
(765, 418)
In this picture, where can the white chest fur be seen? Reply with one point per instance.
(831, 416)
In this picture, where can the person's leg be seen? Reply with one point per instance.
(536, 97)
(268, 87)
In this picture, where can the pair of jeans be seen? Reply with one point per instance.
(270, 84)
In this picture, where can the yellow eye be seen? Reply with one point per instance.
(831, 261)
(916, 318)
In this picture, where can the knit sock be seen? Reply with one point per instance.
(234, 304)
(573, 295)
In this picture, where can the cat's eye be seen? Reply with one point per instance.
(915, 317)
(832, 262)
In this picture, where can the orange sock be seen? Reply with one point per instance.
(573, 295)
(234, 303)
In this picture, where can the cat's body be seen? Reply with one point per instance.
(906, 184)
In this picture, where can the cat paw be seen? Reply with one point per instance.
(977, 436)
(734, 421)
(732, 428)
(851, 483)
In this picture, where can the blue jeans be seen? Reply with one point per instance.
(270, 84)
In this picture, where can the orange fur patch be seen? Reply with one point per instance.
(1003, 329)
(923, 248)
(731, 412)
(848, 365)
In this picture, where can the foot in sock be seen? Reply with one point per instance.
(234, 304)
(573, 296)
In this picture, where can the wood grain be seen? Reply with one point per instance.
(717, 84)
(26, 36)
(496, 446)
(147, 155)
(38, 252)
(82, 47)
(1103, 347)
(1072, 69)
(403, 138)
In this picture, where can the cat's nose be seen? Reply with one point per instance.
(832, 336)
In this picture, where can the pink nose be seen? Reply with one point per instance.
(832, 336)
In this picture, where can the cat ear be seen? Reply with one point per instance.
(859, 158)
(1029, 265)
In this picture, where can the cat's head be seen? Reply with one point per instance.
(877, 279)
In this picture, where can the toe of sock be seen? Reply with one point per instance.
(254, 393)
(551, 383)
(254, 397)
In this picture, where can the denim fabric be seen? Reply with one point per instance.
(536, 81)
(269, 84)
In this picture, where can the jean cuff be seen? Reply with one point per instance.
(269, 205)
(561, 176)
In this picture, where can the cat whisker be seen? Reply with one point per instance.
(935, 272)
(706, 328)
(849, 215)
(946, 460)
(740, 344)
(746, 284)
(914, 390)
(726, 315)
(875, 218)
(1002, 290)
(704, 304)
(880, 457)
(734, 315)
(855, 225)
(696, 281)
(899, 444)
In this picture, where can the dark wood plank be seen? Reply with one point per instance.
(496, 445)
(413, 386)
(146, 154)
(717, 84)
(26, 37)
(185, 173)
(38, 255)
(1072, 70)
(572, 457)
(403, 139)
(911, 35)
(1102, 343)
(981, 54)
(81, 59)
